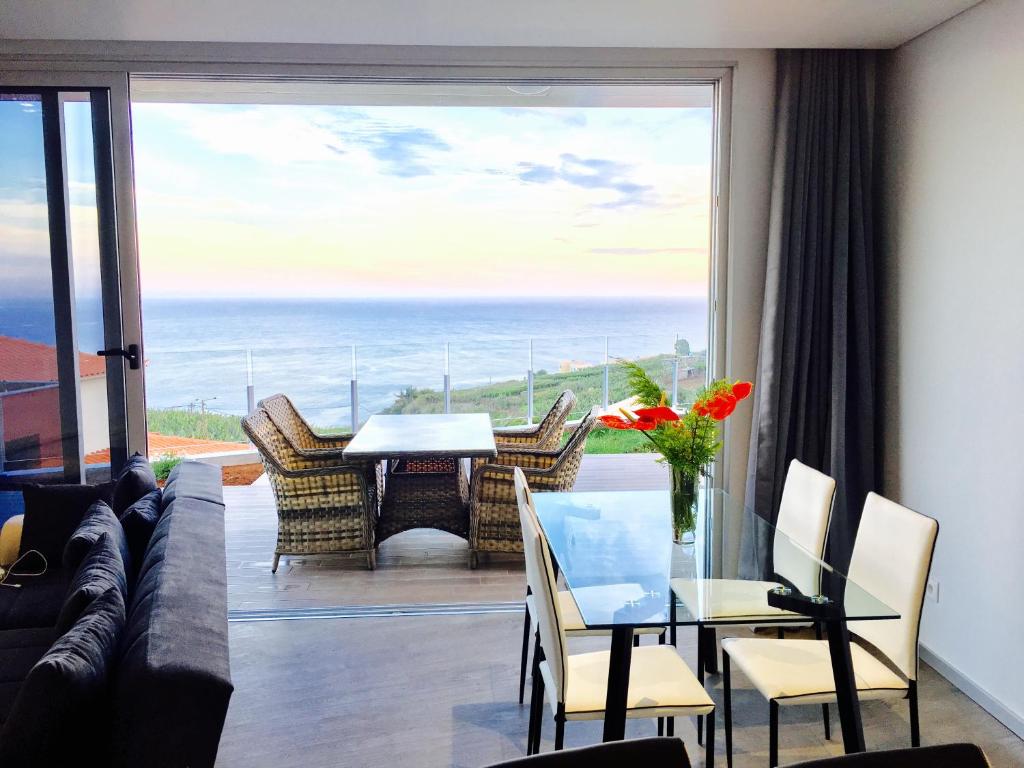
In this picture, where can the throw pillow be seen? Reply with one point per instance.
(134, 482)
(138, 522)
(63, 706)
(102, 569)
(53, 512)
(99, 519)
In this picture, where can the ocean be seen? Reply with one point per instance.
(204, 353)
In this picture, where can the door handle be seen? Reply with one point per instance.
(131, 354)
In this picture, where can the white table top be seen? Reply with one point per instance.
(455, 435)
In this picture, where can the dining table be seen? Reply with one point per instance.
(619, 558)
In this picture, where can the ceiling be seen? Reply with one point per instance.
(561, 23)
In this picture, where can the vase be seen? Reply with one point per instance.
(684, 504)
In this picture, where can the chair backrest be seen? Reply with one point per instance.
(541, 578)
(274, 448)
(892, 558)
(289, 421)
(549, 431)
(571, 455)
(804, 515)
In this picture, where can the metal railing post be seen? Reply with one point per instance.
(250, 390)
(605, 387)
(447, 379)
(529, 388)
(675, 375)
(354, 393)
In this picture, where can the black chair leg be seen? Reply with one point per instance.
(636, 640)
(701, 651)
(536, 710)
(709, 741)
(710, 650)
(773, 734)
(825, 719)
(727, 685)
(525, 655)
(670, 726)
(661, 726)
(915, 724)
(559, 731)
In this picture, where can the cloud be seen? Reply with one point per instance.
(401, 150)
(645, 251)
(591, 173)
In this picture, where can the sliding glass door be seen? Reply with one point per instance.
(66, 355)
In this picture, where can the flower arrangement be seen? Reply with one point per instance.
(688, 443)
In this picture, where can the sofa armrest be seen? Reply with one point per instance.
(10, 539)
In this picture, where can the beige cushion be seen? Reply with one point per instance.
(800, 671)
(10, 539)
(660, 685)
(726, 598)
(804, 513)
(572, 620)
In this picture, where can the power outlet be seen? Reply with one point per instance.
(931, 590)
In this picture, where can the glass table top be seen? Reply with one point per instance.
(454, 435)
(616, 554)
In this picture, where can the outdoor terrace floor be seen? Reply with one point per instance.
(335, 665)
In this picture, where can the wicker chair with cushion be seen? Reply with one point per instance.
(299, 434)
(323, 507)
(494, 512)
(547, 435)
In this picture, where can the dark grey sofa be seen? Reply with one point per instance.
(169, 680)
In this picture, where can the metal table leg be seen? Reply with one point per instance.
(618, 684)
(846, 685)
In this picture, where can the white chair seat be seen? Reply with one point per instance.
(726, 598)
(573, 619)
(800, 671)
(660, 685)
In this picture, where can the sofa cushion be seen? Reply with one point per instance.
(184, 686)
(20, 649)
(138, 522)
(134, 482)
(37, 602)
(98, 520)
(102, 569)
(196, 480)
(62, 708)
(53, 512)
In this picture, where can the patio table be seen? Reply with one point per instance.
(616, 554)
(425, 483)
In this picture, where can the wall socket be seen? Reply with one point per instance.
(931, 590)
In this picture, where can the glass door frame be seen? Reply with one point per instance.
(115, 208)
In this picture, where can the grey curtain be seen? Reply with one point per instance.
(815, 394)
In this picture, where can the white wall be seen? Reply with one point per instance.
(95, 423)
(953, 185)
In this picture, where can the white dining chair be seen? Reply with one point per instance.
(805, 512)
(572, 620)
(891, 561)
(575, 685)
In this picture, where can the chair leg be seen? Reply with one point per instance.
(525, 653)
(701, 650)
(709, 741)
(277, 559)
(670, 726)
(780, 633)
(536, 712)
(727, 685)
(661, 726)
(559, 729)
(915, 723)
(636, 640)
(371, 560)
(825, 719)
(773, 733)
(711, 650)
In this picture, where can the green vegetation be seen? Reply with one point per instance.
(603, 440)
(199, 424)
(162, 467)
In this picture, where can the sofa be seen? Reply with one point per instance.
(113, 623)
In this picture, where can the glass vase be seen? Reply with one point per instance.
(684, 504)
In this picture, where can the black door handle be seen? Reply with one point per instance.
(131, 354)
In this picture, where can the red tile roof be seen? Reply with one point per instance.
(22, 360)
(172, 445)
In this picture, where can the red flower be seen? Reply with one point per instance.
(742, 389)
(657, 415)
(645, 425)
(701, 409)
(721, 406)
(615, 422)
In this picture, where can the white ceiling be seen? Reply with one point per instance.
(603, 23)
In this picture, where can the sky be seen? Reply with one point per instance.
(383, 201)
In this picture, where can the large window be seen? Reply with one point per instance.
(416, 248)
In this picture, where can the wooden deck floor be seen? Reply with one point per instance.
(422, 566)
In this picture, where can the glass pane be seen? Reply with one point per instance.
(30, 425)
(85, 260)
(317, 380)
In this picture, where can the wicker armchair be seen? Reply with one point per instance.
(547, 435)
(299, 434)
(494, 513)
(323, 507)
